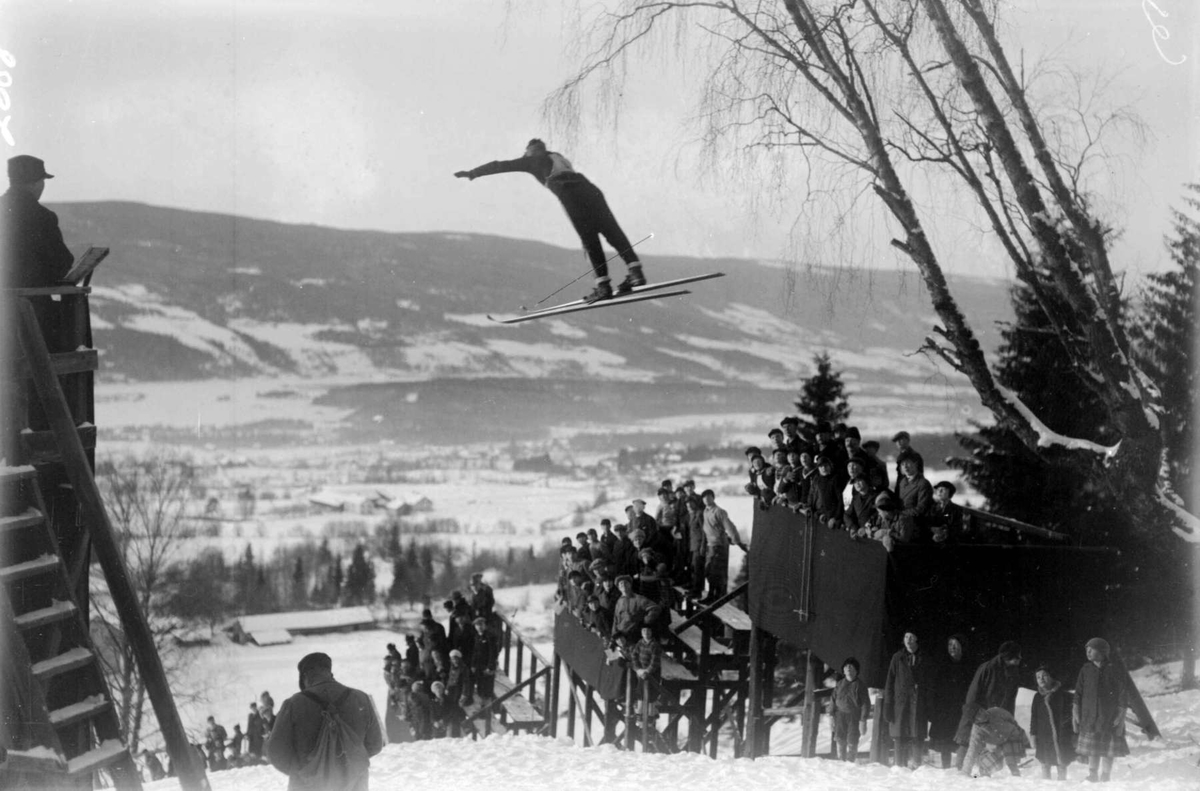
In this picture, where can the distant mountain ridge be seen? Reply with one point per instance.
(192, 295)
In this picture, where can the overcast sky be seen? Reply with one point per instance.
(355, 113)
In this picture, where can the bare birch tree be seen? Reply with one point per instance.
(904, 99)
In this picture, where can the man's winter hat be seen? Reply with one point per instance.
(689, 482)
(870, 445)
(637, 534)
(639, 500)
(535, 142)
(824, 428)
(823, 460)
(945, 485)
(24, 169)
(858, 477)
(790, 421)
(455, 653)
(839, 428)
(620, 528)
(1099, 644)
(753, 450)
(436, 686)
(1010, 649)
(477, 577)
(706, 493)
(625, 577)
(853, 432)
(852, 662)
(899, 435)
(315, 661)
(775, 432)
(479, 619)
(885, 501)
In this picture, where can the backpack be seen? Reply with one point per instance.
(339, 759)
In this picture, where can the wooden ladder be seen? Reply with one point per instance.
(50, 656)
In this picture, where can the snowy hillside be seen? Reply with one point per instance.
(194, 297)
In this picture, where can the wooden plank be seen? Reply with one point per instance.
(63, 663)
(673, 671)
(30, 568)
(30, 517)
(83, 710)
(103, 756)
(63, 363)
(14, 474)
(58, 611)
(734, 618)
(42, 448)
(521, 712)
(42, 291)
(693, 638)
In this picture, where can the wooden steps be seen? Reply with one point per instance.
(30, 517)
(58, 611)
(30, 568)
(63, 663)
(521, 713)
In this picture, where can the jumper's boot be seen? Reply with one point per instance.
(633, 279)
(602, 291)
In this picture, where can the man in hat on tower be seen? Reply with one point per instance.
(32, 251)
(294, 739)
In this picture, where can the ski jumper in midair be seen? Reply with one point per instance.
(585, 206)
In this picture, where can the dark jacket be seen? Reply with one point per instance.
(953, 681)
(298, 725)
(993, 686)
(32, 251)
(907, 694)
(861, 512)
(419, 713)
(1050, 726)
(647, 655)
(916, 497)
(851, 697)
(1099, 695)
(825, 498)
(631, 613)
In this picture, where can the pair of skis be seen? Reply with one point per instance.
(636, 294)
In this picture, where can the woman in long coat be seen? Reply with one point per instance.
(954, 674)
(1099, 711)
(906, 698)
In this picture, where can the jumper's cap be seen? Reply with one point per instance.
(24, 169)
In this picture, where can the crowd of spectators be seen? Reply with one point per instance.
(442, 672)
(222, 750)
(826, 472)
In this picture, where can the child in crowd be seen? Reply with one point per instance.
(1050, 724)
(851, 704)
(646, 658)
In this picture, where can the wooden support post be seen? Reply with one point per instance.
(571, 706)
(628, 710)
(755, 713)
(506, 641)
(770, 650)
(590, 710)
(808, 738)
(696, 706)
(647, 743)
(552, 696)
(133, 621)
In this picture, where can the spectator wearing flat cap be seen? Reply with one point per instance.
(483, 601)
(32, 251)
(633, 611)
(763, 479)
(861, 514)
(624, 553)
(719, 531)
(891, 526)
(459, 684)
(876, 469)
(793, 440)
(697, 545)
(484, 657)
(297, 728)
(640, 520)
(945, 520)
(915, 493)
(904, 449)
(993, 686)
(775, 436)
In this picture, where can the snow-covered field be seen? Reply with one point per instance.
(530, 762)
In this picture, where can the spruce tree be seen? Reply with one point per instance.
(360, 578)
(823, 395)
(299, 595)
(1166, 342)
(401, 584)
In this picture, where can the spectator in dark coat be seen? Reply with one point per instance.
(1098, 714)
(633, 611)
(32, 251)
(296, 732)
(763, 478)
(464, 636)
(906, 697)
(915, 494)
(861, 513)
(154, 767)
(954, 674)
(448, 716)
(254, 731)
(236, 740)
(945, 520)
(1050, 725)
(694, 522)
(624, 553)
(419, 712)
(597, 619)
(994, 685)
(483, 660)
(458, 679)
(876, 469)
(905, 450)
(646, 660)
(412, 651)
(825, 507)
(483, 602)
(891, 526)
(640, 520)
(833, 450)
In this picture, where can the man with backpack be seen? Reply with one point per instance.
(325, 735)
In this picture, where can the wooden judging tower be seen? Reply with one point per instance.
(58, 725)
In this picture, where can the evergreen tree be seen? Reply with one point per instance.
(427, 572)
(360, 578)
(401, 582)
(335, 581)
(1166, 342)
(299, 590)
(823, 396)
(393, 545)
